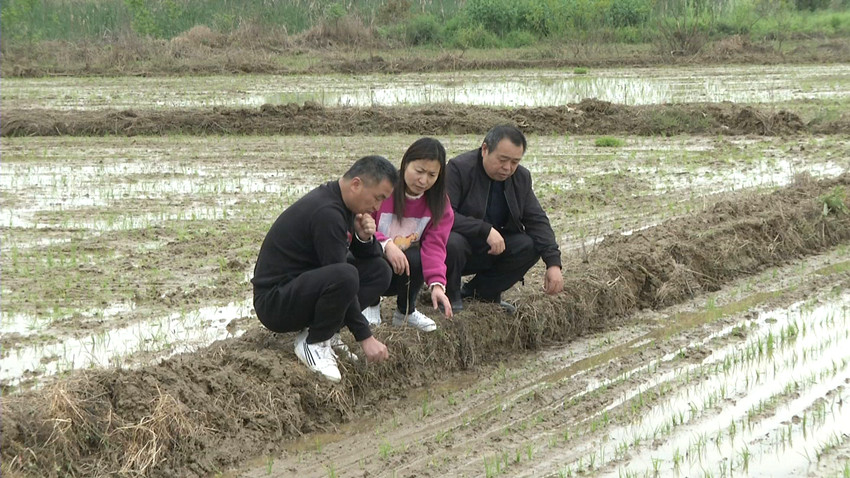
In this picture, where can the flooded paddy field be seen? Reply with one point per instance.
(703, 331)
(106, 251)
(746, 84)
(109, 270)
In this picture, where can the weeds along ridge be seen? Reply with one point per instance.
(196, 414)
(587, 117)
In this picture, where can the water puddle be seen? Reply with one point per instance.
(740, 84)
(162, 337)
(26, 324)
(54, 188)
(711, 180)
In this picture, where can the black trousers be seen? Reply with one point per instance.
(407, 287)
(324, 299)
(493, 274)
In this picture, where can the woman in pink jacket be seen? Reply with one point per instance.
(413, 226)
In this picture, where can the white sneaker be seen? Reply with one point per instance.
(341, 349)
(414, 319)
(318, 357)
(373, 315)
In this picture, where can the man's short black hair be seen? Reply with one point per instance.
(372, 170)
(498, 133)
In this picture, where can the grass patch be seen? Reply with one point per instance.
(609, 142)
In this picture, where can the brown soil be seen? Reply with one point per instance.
(196, 414)
(588, 117)
(200, 51)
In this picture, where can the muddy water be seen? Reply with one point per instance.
(794, 361)
(740, 84)
(137, 344)
(742, 388)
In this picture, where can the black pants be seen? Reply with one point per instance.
(407, 287)
(324, 299)
(493, 274)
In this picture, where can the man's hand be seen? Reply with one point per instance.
(496, 242)
(375, 351)
(397, 259)
(438, 296)
(364, 226)
(553, 281)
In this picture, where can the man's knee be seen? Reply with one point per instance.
(345, 275)
(376, 271)
(457, 246)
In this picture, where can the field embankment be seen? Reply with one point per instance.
(588, 117)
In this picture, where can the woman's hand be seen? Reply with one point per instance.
(397, 259)
(439, 297)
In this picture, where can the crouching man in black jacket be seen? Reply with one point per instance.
(319, 262)
(500, 230)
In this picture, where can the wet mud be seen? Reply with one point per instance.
(587, 117)
(203, 413)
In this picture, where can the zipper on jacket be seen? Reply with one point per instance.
(516, 221)
(487, 202)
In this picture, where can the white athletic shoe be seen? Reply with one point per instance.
(414, 319)
(318, 357)
(373, 315)
(341, 349)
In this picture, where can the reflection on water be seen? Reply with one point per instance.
(632, 86)
(552, 88)
(164, 336)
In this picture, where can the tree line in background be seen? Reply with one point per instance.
(683, 25)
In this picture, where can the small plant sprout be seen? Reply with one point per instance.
(385, 450)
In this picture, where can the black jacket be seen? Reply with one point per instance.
(315, 231)
(469, 187)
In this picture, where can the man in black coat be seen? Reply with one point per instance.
(319, 262)
(500, 229)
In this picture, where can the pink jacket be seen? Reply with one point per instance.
(416, 226)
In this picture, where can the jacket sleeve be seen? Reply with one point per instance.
(537, 226)
(464, 225)
(365, 250)
(433, 252)
(329, 233)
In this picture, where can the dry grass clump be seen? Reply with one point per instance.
(75, 430)
(255, 36)
(348, 31)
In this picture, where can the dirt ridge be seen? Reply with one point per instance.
(148, 57)
(590, 116)
(198, 413)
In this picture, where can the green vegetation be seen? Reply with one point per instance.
(609, 142)
(834, 202)
(684, 25)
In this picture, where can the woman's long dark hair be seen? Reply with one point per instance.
(435, 197)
